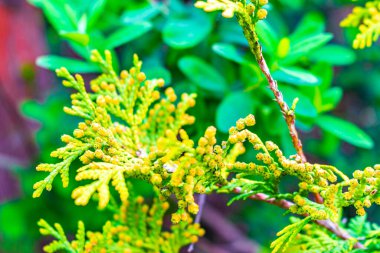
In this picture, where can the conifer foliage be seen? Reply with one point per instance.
(133, 128)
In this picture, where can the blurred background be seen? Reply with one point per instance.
(307, 51)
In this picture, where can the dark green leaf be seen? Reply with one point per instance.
(229, 52)
(345, 131)
(251, 76)
(296, 76)
(187, 32)
(127, 34)
(53, 62)
(334, 54)
(236, 105)
(202, 74)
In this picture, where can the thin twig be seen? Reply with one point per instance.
(289, 116)
(285, 204)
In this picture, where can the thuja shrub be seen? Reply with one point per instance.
(134, 129)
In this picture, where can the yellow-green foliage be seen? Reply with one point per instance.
(133, 128)
(130, 132)
(271, 165)
(115, 143)
(367, 20)
(314, 239)
(136, 228)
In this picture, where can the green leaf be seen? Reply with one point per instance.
(127, 34)
(53, 62)
(229, 52)
(311, 24)
(71, 13)
(229, 31)
(82, 24)
(334, 54)
(141, 14)
(296, 76)
(236, 105)
(57, 15)
(251, 77)
(202, 74)
(307, 45)
(181, 33)
(345, 131)
(95, 9)
(331, 98)
(304, 106)
(80, 38)
(267, 36)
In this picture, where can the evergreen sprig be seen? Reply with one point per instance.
(136, 227)
(133, 128)
(367, 21)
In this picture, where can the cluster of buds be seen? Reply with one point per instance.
(230, 8)
(272, 165)
(304, 206)
(261, 13)
(110, 150)
(363, 189)
(131, 130)
(366, 19)
(227, 7)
